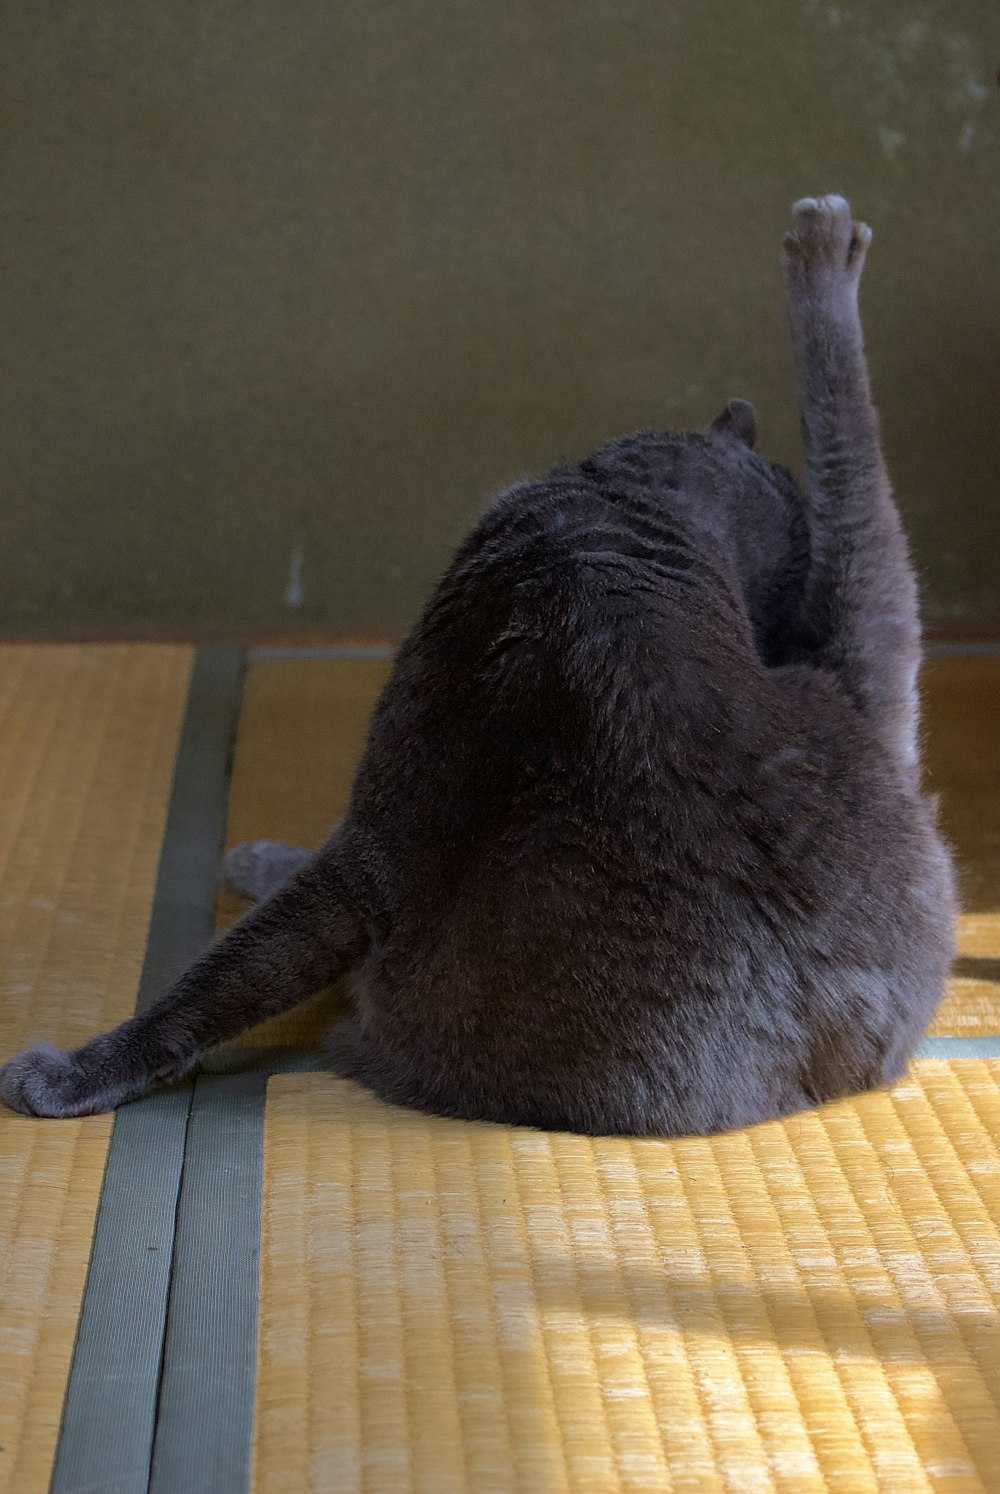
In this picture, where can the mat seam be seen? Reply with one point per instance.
(170, 1280)
(179, 785)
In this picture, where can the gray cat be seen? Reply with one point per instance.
(637, 843)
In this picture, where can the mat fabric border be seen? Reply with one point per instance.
(946, 650)
(323, 651)
(987, 1046)
(110, 1411)
(204, 1427)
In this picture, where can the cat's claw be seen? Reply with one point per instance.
(826, 238)
(47, 1081)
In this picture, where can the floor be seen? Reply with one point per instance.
(268, 1280)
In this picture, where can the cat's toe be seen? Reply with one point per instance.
(823, 218)
(805, 207)
(46, 1081)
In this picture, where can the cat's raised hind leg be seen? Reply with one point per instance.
(860, 612)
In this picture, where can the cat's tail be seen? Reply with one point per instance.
(259, 867)
(300, 939)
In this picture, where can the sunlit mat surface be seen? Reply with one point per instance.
(88, 737)
(302, 730)
(804, 1306)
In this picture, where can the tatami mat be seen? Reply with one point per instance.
(804, 1306)
(87, 743)
(962, 713)
(971, 1007)
(302, 730)
(962, 707)
(449, 1307)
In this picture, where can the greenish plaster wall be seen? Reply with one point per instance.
(286, 289)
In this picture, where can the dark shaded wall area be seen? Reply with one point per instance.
(287, 289)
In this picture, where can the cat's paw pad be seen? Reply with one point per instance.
(47, 1081)
(826, 237)
(256, 868)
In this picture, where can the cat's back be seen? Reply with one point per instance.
(575, 573)
(578, 612)
(582, 691)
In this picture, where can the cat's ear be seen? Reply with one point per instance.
(739, 419)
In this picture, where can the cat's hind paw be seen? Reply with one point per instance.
(258, 867)
(826, 238)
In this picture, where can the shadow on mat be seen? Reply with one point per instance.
(975, 967)
(957, 1393)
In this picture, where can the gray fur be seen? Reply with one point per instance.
(637, 843)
